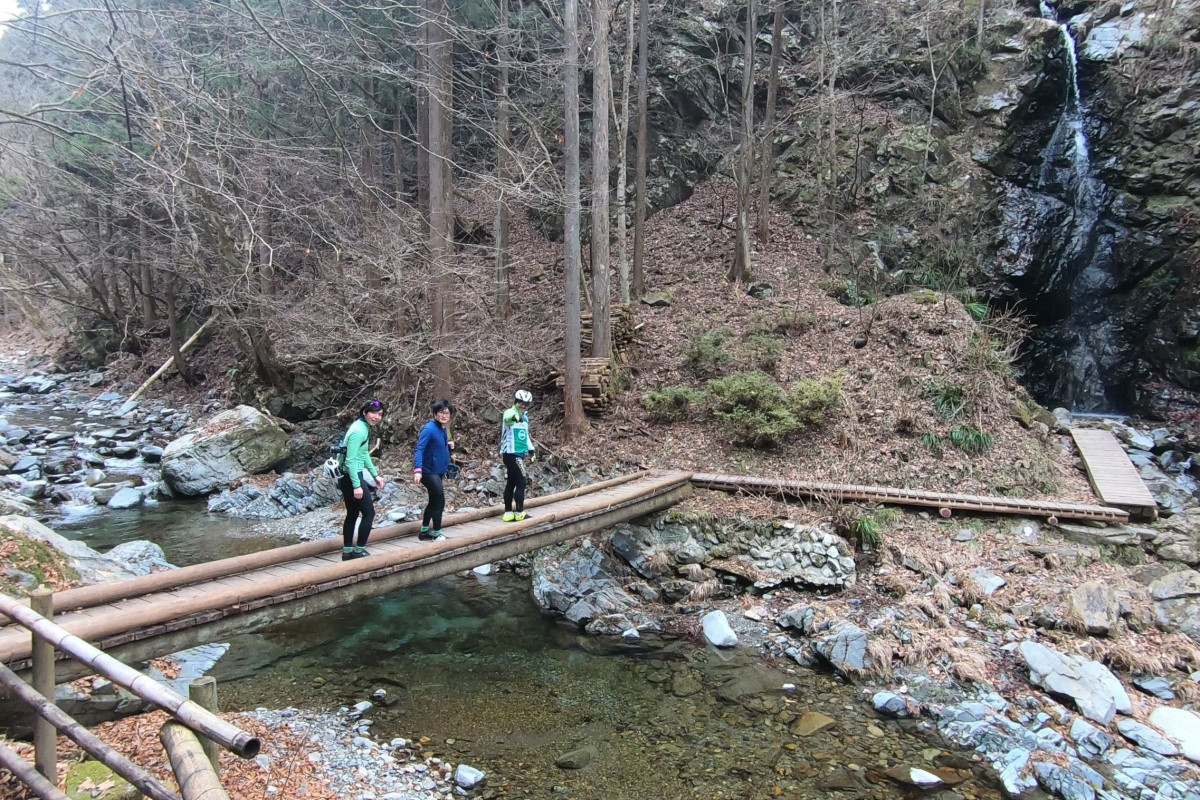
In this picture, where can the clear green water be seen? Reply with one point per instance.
(473, 665)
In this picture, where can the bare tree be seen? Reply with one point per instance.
(601, 95)
(503, 168)
(739, 265)
(574, 422)
(639, 205)
(622, 118)
(766, 163)
(441, 189)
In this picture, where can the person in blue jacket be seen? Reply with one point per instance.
(431, 460)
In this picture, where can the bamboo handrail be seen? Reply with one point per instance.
(81, 736)
(191, 714)
(29, 776)
(99, 594)
(193, 771)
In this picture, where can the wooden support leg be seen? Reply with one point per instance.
(45, 737)
(203, 692)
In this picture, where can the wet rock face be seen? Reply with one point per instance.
(1107, 281)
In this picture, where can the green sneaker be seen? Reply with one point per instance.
(520, 515)
(509, 516)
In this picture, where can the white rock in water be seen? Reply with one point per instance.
(484, 569)
(922, 778)
(717, 630)
(631, 635)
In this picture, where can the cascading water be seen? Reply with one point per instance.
(1072, 350)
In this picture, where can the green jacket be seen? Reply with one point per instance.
(357, 458)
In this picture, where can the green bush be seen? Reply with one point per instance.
(760, 412)
(933, 443)
(765, 353)
(672, 403)
(705, 355)
(948, 398)
(970, 439)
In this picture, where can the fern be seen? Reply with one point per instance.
(970, 439)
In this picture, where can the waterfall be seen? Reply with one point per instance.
(1075, 333)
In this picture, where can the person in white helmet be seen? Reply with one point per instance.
(515, 447)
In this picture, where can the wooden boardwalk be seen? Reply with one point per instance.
(164, 612)
(945, 502)
(1113, 477)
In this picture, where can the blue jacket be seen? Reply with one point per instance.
(432, 455)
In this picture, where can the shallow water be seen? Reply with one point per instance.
(471, 663)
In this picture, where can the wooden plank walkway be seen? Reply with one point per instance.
(396, 560)
(1113, 477)
(912, 497)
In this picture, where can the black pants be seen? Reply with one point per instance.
(365, 507)
(437, 500)
(514, 487)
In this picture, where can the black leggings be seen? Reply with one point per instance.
(437, 500)
(365, 506)
(514, 488)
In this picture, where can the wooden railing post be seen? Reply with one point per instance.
(45, 737)
(203, 692)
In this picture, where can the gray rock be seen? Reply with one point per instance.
(1180, 726)
(1185, 583)
(717, 630)
(1061, 782)
(1014, 775)
(1097, 693)
(989, 581)
(844, 646)
(126, 498)
(1157, 686)
(1147, 737)
(1096, 605)
(799, 617)
(230, 445)
(140, 557)
(1090, 740)
(576, 759)
(890, 704)
(468, 777)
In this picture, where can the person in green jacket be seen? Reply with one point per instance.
(360, 480)
(515, 446)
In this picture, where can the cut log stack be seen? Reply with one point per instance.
(598, 384)
(623, 330)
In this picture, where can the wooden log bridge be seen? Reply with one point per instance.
(943, 501)
(165, 612)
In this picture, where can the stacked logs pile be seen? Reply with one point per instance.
(623, 330)
(597, 383)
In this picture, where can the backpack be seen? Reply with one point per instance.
(333, 465)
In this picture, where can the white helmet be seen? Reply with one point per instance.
(333, 469)
(523, 396)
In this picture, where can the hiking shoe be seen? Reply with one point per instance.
(520, 515)
(431, 536)
(509, 516)
(352, 555)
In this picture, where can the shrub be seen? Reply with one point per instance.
(948, 398)
(933, 443)
(977, 310)
(864, 528)
(754, 406)
(761, 413)
(672, 403)
(812, 401)
(765, 353)
(970, 439)
(705, 355)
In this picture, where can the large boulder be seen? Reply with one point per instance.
(1177, 602)
(1096, 606)
(1179, 538)
(1097, 693)
(231, 445)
